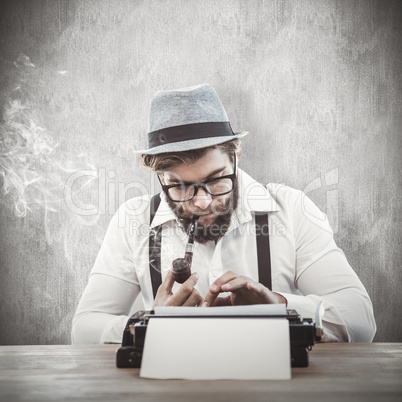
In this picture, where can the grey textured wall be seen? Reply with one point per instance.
(317, 84)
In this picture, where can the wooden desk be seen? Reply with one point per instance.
(337, 372)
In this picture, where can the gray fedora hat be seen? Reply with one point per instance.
(187, 118)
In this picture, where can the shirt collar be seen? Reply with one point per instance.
(164, 213)
(253, 197)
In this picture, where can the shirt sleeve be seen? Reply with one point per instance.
(112, 288)
(323, 274)
(103, 310)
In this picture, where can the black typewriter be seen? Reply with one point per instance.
(303, 334)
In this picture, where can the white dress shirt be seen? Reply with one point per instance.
(307, 266)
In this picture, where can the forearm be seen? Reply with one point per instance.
(347, 313)
(96, 328)
(356, 311)
(103, 310)
(340, 323)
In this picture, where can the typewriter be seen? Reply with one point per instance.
(303, 334)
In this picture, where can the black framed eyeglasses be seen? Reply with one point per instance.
(183, 192)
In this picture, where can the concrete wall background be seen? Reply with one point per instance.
(317, 84)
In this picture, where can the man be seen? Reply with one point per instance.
(195, 155)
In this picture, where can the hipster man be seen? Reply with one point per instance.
(291, 258)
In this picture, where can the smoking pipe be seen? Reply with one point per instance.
(181, 267)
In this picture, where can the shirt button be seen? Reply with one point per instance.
(215, 274)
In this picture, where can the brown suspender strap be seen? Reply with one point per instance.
(263, 250)
(155, 239)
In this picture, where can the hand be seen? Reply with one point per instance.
(243, 290)
(186, 295)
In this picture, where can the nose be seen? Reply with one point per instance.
(202, 199)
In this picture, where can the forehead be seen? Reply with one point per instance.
(213, 161)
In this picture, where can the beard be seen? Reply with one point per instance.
(216, 230)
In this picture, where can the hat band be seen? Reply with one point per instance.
(189, 132)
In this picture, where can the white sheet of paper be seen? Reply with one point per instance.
(250, 310)
(217, 348)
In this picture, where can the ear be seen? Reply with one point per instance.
(238, 152)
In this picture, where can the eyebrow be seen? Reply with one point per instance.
(213, 173)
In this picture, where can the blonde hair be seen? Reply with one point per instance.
(169, 160)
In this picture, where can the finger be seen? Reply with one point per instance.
(164, 291)
(217, 284)
(210, 298)
(235, 284)
(259, 289)
(195, 299)
(168, 282)
(184, 291)
(213, 299)
(221, 301)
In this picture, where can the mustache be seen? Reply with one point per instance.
(218, 209)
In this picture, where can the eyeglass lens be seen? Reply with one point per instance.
(213, 187)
